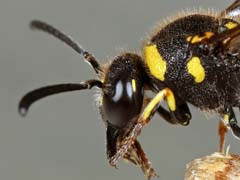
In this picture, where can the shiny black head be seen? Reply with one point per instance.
(122, 97)
(121, 82)
(123, 90)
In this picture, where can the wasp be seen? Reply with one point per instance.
(193, 59)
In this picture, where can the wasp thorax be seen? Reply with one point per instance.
(123, 92)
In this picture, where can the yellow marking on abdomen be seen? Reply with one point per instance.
(230, 25)
(155, 62)
(196, 69)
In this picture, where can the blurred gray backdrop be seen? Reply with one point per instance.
(62, 137)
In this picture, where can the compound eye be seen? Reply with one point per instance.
(124, 104)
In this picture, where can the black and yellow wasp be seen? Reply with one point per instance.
(192, 59)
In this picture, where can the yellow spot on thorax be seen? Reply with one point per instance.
(155, 62)
(230, 25)
(134, 85)
(197, 38)
(196, 69)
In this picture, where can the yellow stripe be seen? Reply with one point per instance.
(230, 25)
(101, 100)
(189, 38)
(196, 69)
(208, 34)
(157, 99)
(226, 118)
(134, 85)
(197, 38)
(155, 62)
(153, 103)
(171, 100)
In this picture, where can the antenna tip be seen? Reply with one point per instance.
(33, 24)
(22, 111)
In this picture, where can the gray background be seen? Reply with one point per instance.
(62, 136)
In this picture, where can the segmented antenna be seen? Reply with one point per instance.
(39, 25)
(43, 92)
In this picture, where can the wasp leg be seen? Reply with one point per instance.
(233, 10)
(136, 155)
(112, 137)
(181, 115)
(231, 121)
(234, 124)
(222, 130)
(142, 121)
(165, 114)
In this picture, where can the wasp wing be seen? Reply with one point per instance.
(233, 10)
(224, 43)
(222, 55)
(232, 46)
